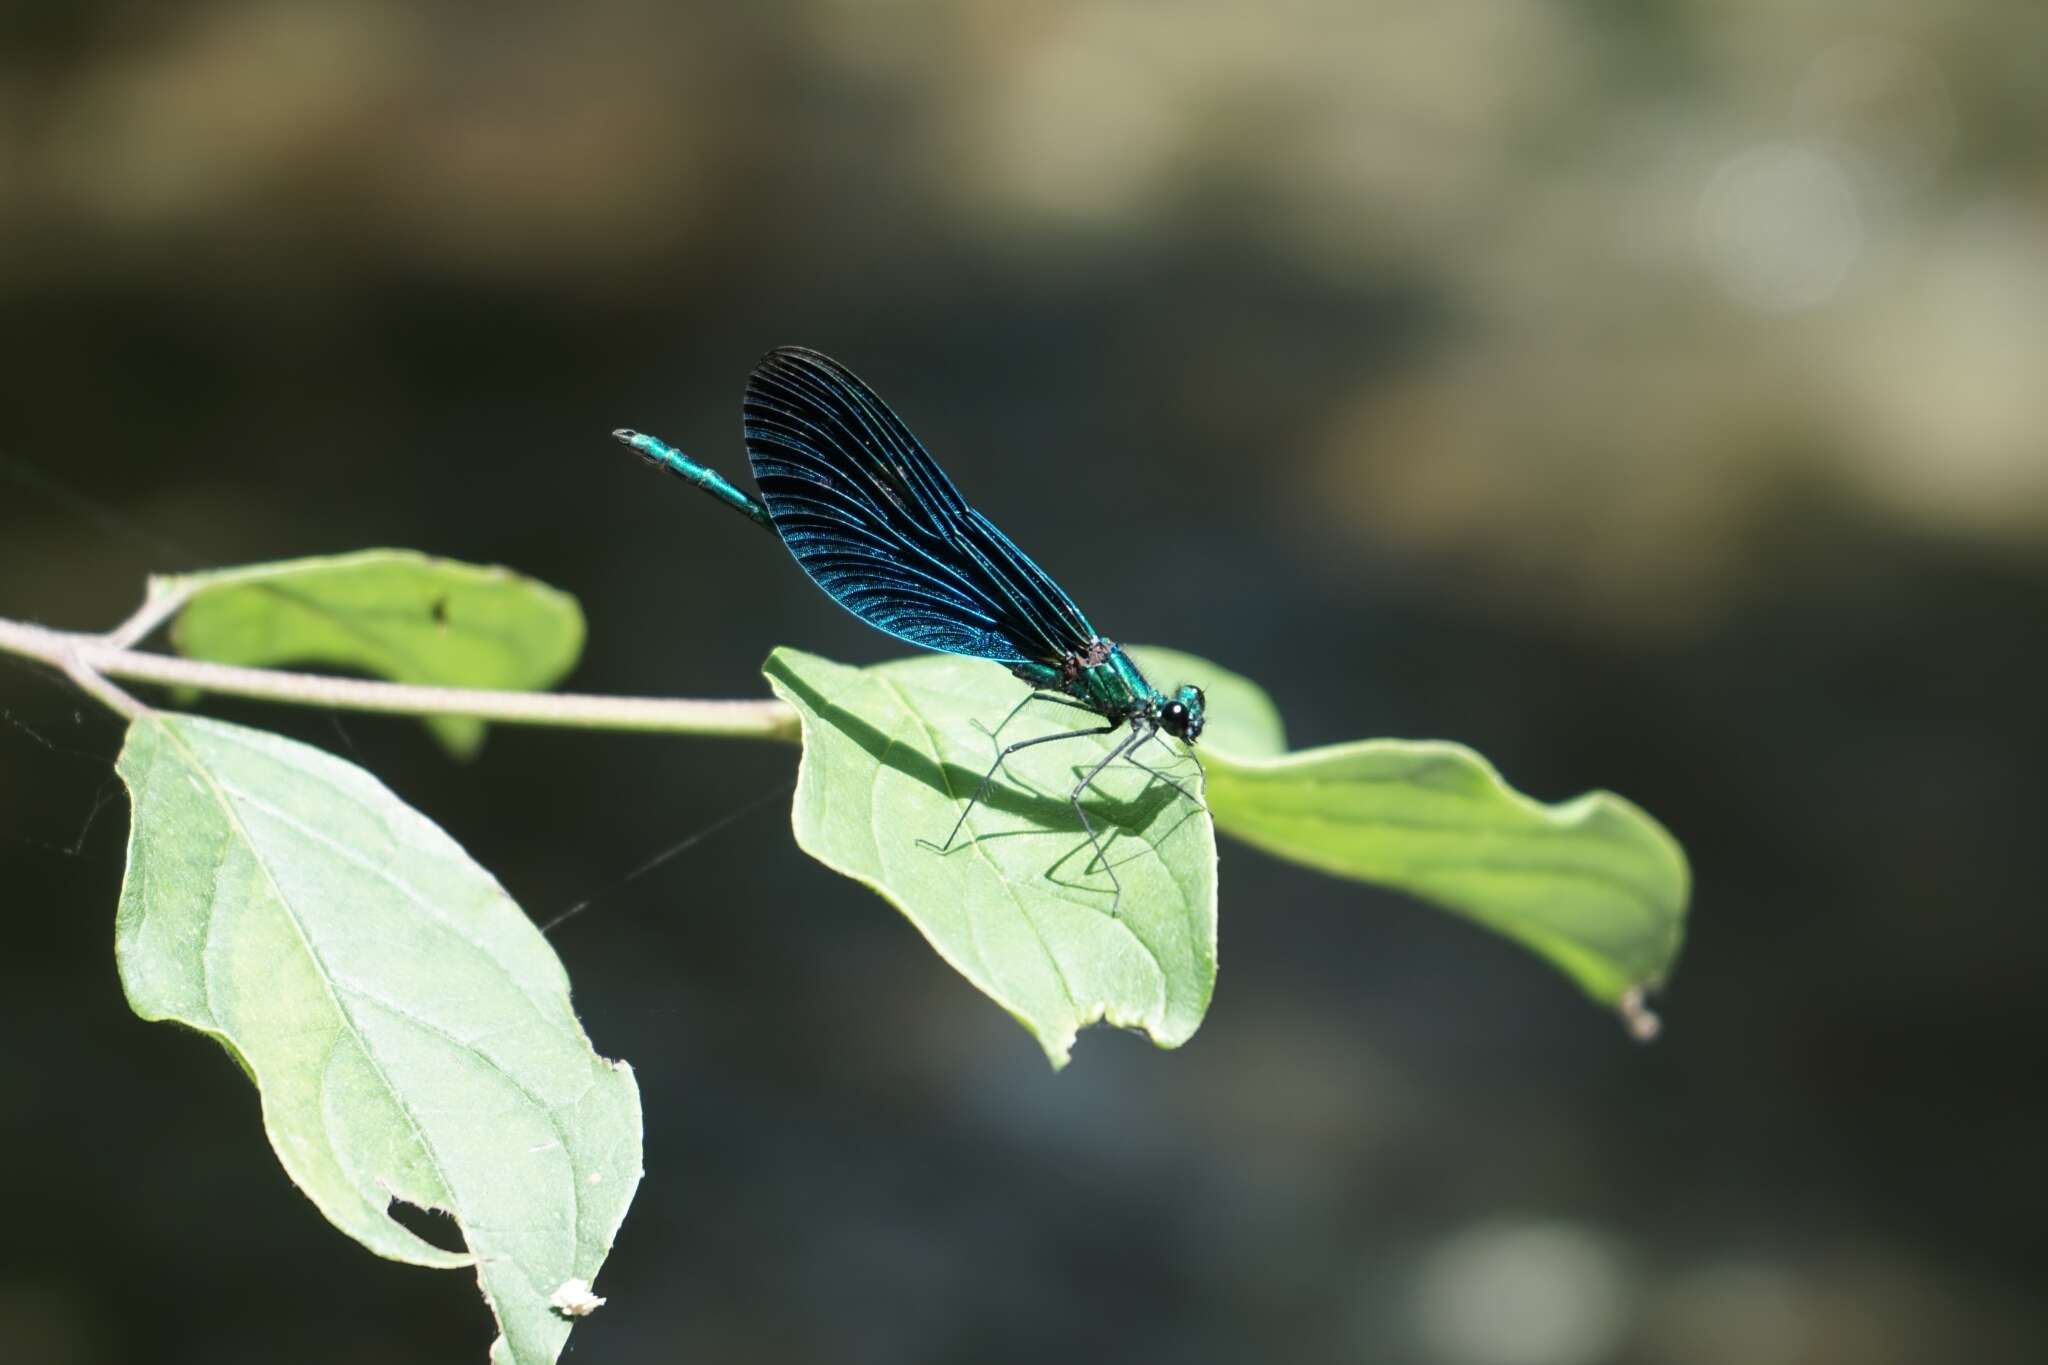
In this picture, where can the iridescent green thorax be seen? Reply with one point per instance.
(1102, 678)
(1106, 681)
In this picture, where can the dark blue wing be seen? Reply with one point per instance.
(877, 524)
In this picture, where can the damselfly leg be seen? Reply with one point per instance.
(1141, 733)
(1028, 699)
(1122, 750)
(981, 789)
(1153, 735)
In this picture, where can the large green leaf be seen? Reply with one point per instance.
(409, 1030)
(1593, 884)
(892, 753)
(397, 614)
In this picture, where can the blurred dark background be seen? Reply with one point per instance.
(1650, 395)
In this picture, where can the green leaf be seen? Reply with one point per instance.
(397, 614)
(1592, 884)
(891, 755)
(408, 1028)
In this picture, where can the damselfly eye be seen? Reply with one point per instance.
(1183, 716)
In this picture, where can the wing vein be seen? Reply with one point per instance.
(875, 522)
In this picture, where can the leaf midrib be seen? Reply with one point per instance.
(326, 980)
(390, 879)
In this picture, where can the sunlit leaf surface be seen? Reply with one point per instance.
(1018, 906)
(1593, 884)
(409, 1030)
(397, 614)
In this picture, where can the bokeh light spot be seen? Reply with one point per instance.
(1521, 1294)
(1779, 227)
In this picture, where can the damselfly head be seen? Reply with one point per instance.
(1182, 717)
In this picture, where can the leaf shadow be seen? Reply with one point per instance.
(1131, 816)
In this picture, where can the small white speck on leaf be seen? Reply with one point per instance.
(574, 1299)
(1638, 1018)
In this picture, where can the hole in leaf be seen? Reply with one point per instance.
(429, 1225)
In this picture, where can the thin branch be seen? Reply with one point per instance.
(99, 657)
(161, 604)
(110, 696)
